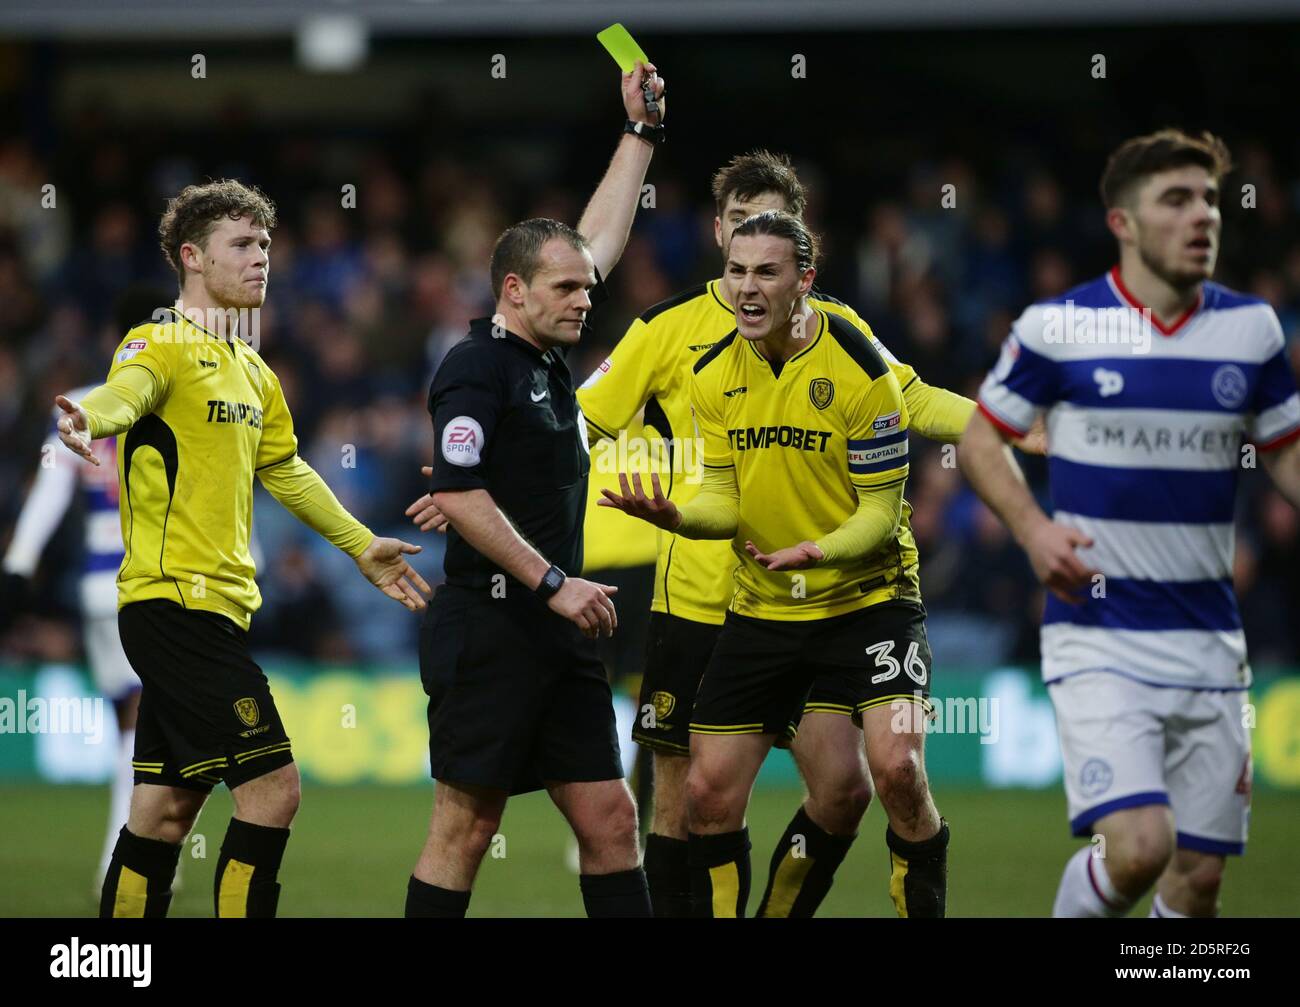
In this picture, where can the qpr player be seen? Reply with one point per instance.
(1150, 394)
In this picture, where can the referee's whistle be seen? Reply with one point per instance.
(648, 93)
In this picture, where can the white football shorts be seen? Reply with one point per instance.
(1126, 744)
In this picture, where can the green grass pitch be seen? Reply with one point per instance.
(353, 849)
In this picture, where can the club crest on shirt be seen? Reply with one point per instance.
(821, 392)
(246, 708)
(1229, 386)
(255, 375)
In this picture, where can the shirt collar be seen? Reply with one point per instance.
(485, 326)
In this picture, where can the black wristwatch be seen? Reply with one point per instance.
(552, 581)
(650, 134)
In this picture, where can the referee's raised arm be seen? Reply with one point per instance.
(607, 220)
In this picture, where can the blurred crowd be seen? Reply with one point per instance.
(367, 295)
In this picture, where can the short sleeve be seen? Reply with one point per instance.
(278, 442)
(877, 435)
(155, 348)
(1276, 406)
(616, 390)
(465, 403)
(1022, 384)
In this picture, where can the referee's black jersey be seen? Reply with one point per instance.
(505, 419)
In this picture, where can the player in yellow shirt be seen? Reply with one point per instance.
(197, 414)
(804, 431)
(651, 365)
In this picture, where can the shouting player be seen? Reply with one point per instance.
(1142, 642)
(650, 368)
(197, 414)
(804, 434)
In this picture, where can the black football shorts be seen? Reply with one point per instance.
(517, 695)
(206, 712)
(766, 673)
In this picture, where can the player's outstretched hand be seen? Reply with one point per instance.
(634, 94)
(383, 565)
(587, 605)
(424, 513)
(1035, 441)
(796, 557)
(658, 510)
(74, 429)
(1051, 548)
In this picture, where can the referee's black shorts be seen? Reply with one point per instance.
(518, 697)
(206, 712)
(766, 673)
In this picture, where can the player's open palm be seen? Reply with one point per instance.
(795, 557)
(587, 605)
(384, 566)
(424, 513)
(1051, 549)
(74, 429)
(656, 508)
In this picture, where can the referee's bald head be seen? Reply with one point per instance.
(519, 249)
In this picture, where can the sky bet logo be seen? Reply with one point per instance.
(783, 437)
(234, 412)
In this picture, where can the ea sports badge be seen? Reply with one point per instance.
(462, 441)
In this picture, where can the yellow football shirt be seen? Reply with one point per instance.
(804, 437)
(651, 367)
(197, 416)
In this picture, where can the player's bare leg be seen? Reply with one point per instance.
(669, 818)
(139, 877)
(1190, 885)
(602, 815)
(270, 800)
(917, 837)
(1107, 876)
(832, 759)
(718, 784)
(163, 813)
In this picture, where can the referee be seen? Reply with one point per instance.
(197, 414)
(518, 698)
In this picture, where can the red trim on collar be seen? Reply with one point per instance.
(1161, 327)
